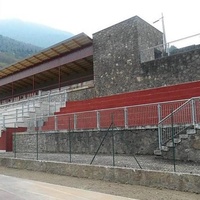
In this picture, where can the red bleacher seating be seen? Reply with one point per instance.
(161, 94)
(168, 93)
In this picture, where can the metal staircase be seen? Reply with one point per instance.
(178, 125)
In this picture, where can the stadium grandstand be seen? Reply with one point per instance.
(125, 77)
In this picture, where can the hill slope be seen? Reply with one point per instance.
(11, 50)
(32, 33)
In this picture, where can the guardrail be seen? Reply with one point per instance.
(42, 104)
(178, 120)
(138, 116)
(171, 48)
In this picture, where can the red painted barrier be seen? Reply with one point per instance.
(6, 139)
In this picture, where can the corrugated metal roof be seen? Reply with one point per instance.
(54, 51)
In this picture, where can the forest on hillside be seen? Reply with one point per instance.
(12, 51)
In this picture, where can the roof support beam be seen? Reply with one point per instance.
(59, 61)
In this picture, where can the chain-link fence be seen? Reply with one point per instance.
(109, 147)
(115, 137)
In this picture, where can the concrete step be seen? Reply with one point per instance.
(197, 126)
(191, 131)
(169, 144)
(157, 152)
(176, 141)
(21, 124)
(164, 148)
(10, 125)
(183, 136)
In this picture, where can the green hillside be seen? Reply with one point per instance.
(12, 51)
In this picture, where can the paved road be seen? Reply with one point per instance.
(12, 188)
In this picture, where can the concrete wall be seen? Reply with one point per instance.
(119, 60)
(158, 179)
(117, 55)
(167, 71)
(129, 142)
(179, 68)
(83, 94)
(148, 37)
(126, 142)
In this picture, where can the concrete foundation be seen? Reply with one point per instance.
(158, 179)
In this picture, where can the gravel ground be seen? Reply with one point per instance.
(145, 162)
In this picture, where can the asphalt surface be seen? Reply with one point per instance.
(12, 188)
(99, 186)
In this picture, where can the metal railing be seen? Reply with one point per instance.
(138, 116)
(181, 118)
(45, 104)
(171, 48)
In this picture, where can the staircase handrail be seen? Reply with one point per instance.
(176, 110)
(181, 126)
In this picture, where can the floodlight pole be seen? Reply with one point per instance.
(164, 33)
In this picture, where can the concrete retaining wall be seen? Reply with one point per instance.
(126, 142)
(158, 179)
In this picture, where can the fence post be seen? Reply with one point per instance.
(65, 96)
(193, 112)
(75, 121)
(56, 122)
(174, 158)
(28, 106)
(126, 118)
(159, 128)
(113, 141)
(37, 127)
(22, 109)
(55, 105)
(15, 145)
(49, 101)
(98, 120)
(4, 121)
(16, 117)
(70, 143)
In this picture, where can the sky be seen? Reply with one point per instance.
(181, 17)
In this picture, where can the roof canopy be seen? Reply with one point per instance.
(70, 58)
(52, 52)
